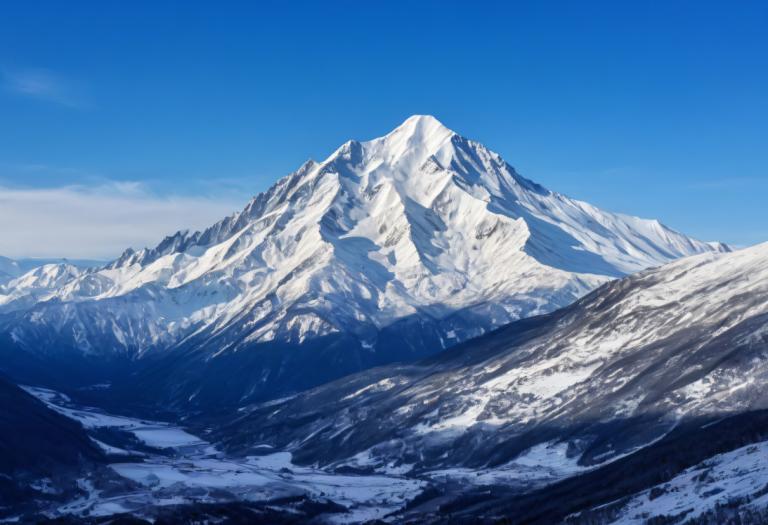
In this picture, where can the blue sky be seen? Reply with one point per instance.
(120, 121)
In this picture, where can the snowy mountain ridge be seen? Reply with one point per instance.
(420, 226)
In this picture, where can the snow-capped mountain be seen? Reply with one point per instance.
(37, 285)
(12, 268)
(389, 249)
(611, 373)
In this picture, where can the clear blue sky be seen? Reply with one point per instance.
(658, 109)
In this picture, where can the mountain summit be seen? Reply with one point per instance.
(389, 249)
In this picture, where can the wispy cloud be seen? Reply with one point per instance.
(728, 183)
(45, 85)
(98, 221)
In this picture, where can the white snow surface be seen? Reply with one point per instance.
(420, 221)
(152, 433)
(541, 464)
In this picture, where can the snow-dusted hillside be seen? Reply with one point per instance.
(420, 232)
(612, 373)
(712, 489)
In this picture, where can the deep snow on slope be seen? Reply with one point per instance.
(421, 225)
(612, 373)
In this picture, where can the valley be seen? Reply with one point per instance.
(167, 466)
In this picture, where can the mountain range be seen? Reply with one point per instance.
(406, 332)
(391, 249)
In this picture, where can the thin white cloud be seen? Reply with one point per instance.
(726, 183)
(43, 84)
(97, 222)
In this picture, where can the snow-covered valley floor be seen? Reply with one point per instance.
(187, 469)
(162, 464)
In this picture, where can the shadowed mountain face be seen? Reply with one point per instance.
(390, 249)
(604, 377)
(704, 472)
(41, 452)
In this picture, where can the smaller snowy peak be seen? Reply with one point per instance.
(49, 274)
(719, 247)
(13, 269)
(39, 284)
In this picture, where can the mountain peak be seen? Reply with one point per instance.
(412, 141)
(422, 120)
(422, 127)
(417, 227)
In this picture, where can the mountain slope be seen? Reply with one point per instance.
(704, 472)
(612, 373)
(42, 453)
(389, 249)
